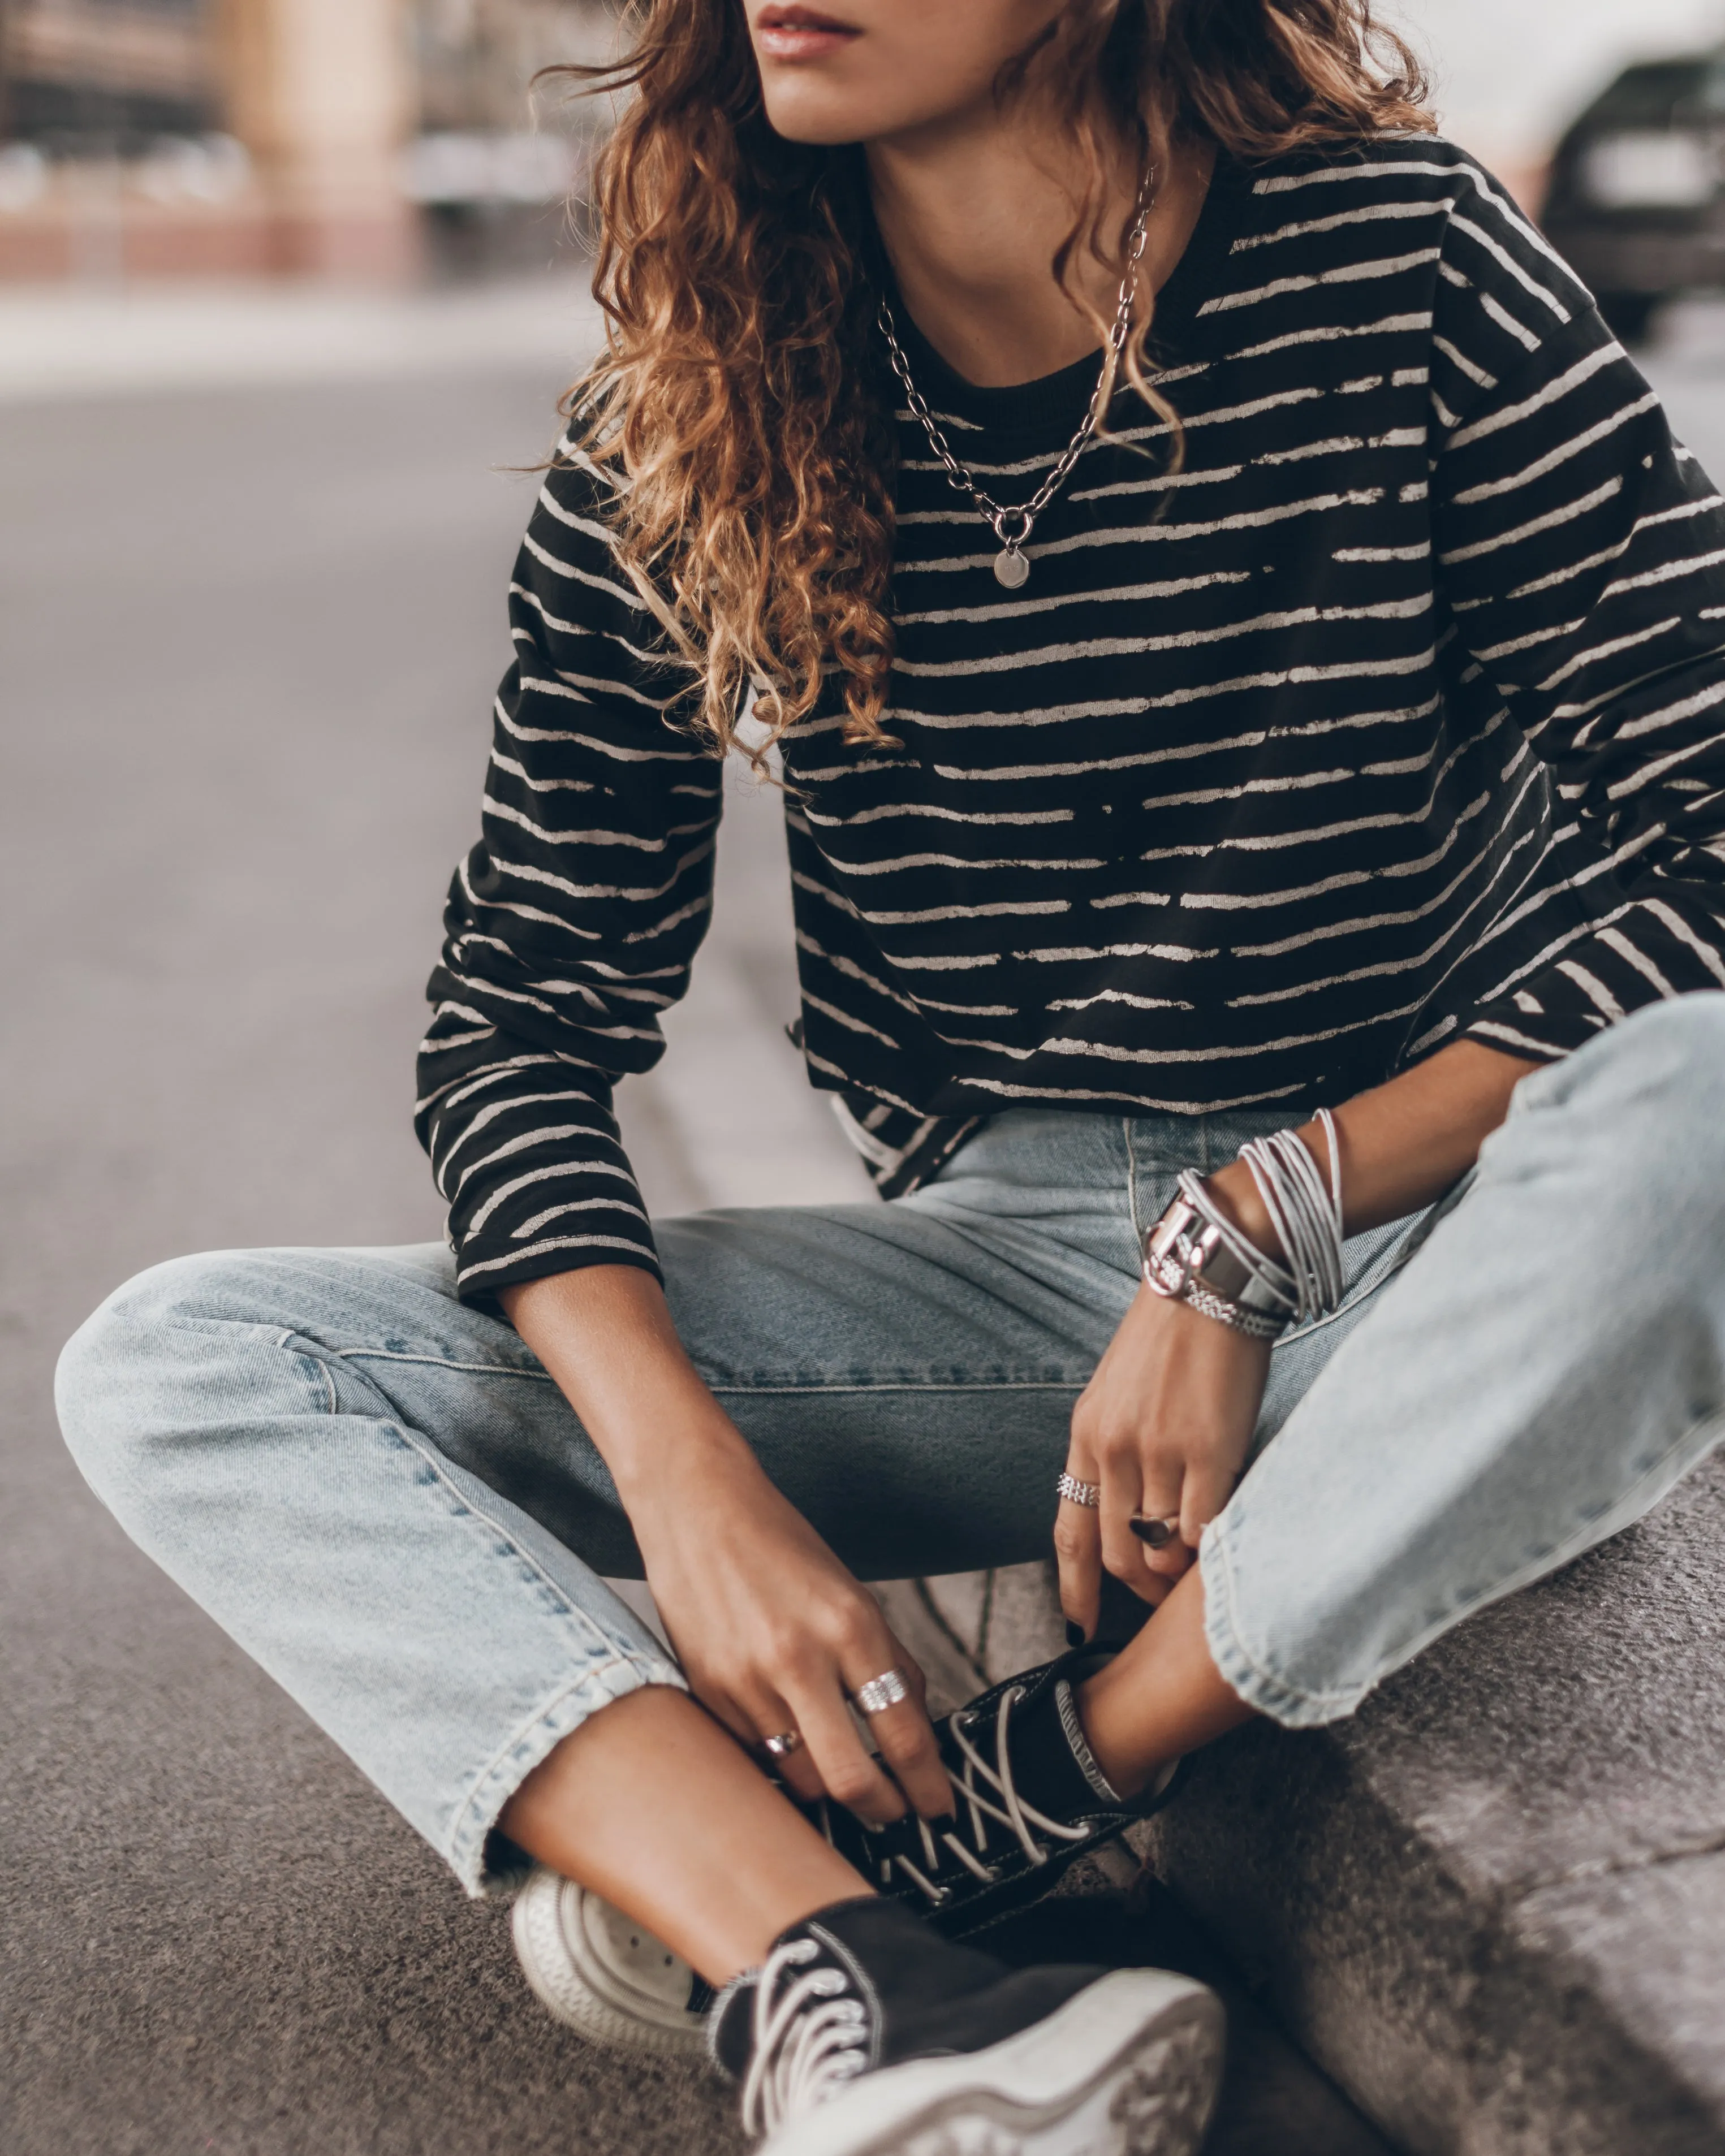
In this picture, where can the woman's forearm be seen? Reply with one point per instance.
(771, 1630)
(1403, 1144)
(605, 1334)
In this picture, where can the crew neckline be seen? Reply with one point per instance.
(1054, 404)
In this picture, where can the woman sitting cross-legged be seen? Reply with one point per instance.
(1247, 659)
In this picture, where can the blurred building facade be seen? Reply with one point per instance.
(377, 138)
(501, 146)
(347, 138)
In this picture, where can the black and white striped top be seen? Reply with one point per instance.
(1392, 716)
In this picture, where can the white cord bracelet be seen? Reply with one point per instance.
(1306, 1215)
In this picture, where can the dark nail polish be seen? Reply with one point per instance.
(1074, 1634)
(1157, 1534)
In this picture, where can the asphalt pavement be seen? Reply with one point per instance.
(248, 638)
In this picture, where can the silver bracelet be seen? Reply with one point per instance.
(1306, 1215)
(1170, 1277)
(1195, 1254)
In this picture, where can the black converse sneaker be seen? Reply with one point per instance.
(1031, 1801)
(866, 2034)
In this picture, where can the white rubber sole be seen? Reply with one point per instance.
(1131, 2066)
(602, 1973)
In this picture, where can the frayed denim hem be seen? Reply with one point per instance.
(470, 1849)
(1295, 1707)
(1262, 1689)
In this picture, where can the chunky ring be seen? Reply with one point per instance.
(1157, 1533)
(781, 1747)
(889, 1689)
(1088, 1494)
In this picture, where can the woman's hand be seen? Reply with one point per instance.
(773, 1634)
(772, 1630)
(1165, 1424)
(1163, 1427)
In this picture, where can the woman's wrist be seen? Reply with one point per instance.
(1236, 1194)
(1405, 1142)
(666, 1452)
(605, 1335)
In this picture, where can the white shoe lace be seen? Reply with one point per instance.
(800, 2053)
(1011, 1812)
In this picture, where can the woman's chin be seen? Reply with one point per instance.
(804, 111)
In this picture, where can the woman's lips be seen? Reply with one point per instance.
(799, 34)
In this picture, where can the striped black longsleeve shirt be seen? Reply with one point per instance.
(1388, 715)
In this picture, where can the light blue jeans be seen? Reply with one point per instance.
(382, 1497)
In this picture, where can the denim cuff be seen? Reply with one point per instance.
(472, 1851)
(1261, 1688)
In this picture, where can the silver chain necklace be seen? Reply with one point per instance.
(1010, 566)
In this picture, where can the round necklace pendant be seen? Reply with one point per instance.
(1010, 568)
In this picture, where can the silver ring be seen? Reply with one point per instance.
(889, 1689)
(1087, 1494)
(782, 1746)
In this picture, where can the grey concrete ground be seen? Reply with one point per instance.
(249, 639)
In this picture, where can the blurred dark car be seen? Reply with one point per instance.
(1637, 196)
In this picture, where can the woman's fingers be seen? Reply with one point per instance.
(912, 1671)
(803, 1768)
(1125, 1497)
(907, 1744)
(795, 1769)
(849, 1774)
(1209, 1486)
(753, 1718)
(906, 1738)
(1164, 1476)
(747, 1723)
(1078, 1557)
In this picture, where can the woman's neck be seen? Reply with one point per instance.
(971, 219)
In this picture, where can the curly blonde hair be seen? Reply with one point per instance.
(739, 400)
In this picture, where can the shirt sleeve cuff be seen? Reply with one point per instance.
(482, 1272)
